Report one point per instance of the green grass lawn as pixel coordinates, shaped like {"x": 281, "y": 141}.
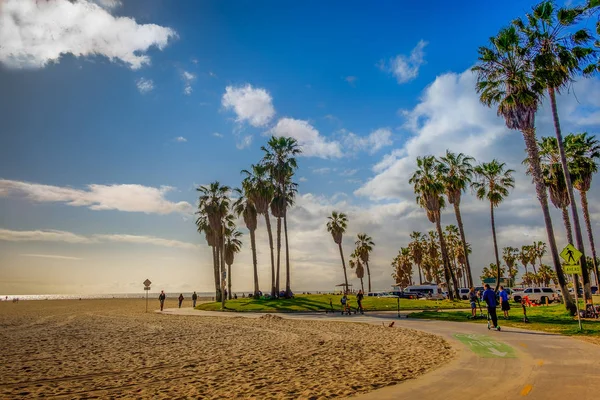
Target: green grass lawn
{"x": 320, "y": 302}
{"x": 553, "y": 318}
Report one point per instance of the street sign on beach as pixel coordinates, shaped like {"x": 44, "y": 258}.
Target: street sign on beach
{"x": 571, "y": 255}
{"x": 147, "y": 283}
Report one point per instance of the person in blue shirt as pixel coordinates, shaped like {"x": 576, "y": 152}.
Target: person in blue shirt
{"x": 504, "y": 301}
{"x": 489, "y": 296}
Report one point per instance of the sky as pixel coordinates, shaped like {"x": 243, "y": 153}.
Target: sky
{"x": 113, "y": 112}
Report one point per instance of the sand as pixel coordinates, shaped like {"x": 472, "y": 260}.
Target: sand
{"x": 113, "y": 349}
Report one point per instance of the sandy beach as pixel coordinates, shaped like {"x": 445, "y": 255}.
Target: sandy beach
{"x": 112, "y": 348}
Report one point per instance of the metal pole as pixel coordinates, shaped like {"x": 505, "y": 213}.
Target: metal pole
{"x": 146, "y": 301}
{"x": 577, "y": 305}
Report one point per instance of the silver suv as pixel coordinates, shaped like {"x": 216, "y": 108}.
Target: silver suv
{"x": 538, "y": 295}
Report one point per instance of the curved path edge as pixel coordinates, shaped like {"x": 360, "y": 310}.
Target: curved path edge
{"x": 511, "y": 364}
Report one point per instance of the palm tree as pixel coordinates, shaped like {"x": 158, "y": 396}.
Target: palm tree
{"x": 505, "y": 78}
{"x": 211, "y": 240}
{"x": 433, "y": 259}
{"x": 493, "y": 183}
{"x": 429, "y": 189}
{"x": 457, "y": 172}
{"x": 364, "y": 245}
{"x": 544, "y": 275}
{"x": 524, "y": 256}
{"x": 233, "y": 245}
{"x": 337, "y": 225}
{"x": 214, "y": 204}
{"x": 261, "y": 192}
{"x": 584, "y": 152}
{"x": 280, "y": 159}
{"x": 539, "y": 251}
{"x": 452, "y": 241}
{"x": 417, "y": 250}
{"x": 557, "y": 55}
{"x": 245, "y": 207}
{"x": 510, "y": 255}
{"x": 356, "y": 264}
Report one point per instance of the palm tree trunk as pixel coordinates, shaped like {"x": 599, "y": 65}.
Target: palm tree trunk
{"x": 216, "y": 273}
{"x": 362, "y": 286}
{"x": 223, "y": 268}
{"x": 343, "y": 265}
{"x": 588, "y": 225}
{"x": 270, "y": 233}
{"x": 464, "y": 243}
{"x": 368, "y": 275}
{"x": 454, "y": 280}
{"x": 438, "y": 227}
{"x": 420, "y": 276}
{"x": 567, "y": 222}
{"x": 585, "y": 275}
{"x": 534, "y": 157}
{"x": 278, "y": 255}
{"x": 288, "y": 281}
{"x": 498, "y": 274}
{"x": 254, "y": 261}
{"x": 229, "y": 281}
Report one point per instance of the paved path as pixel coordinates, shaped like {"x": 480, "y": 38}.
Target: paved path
{"x": 510, "y": 364}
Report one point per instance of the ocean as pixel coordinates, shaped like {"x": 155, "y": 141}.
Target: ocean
{"x": 152, "y": 294}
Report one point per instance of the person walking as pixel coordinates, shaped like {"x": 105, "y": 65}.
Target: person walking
{"x": 489, "y": 296}
{"x": 504, "y": 301}
{"x": 162, "y": 298}
{"x": 359, "y": 299}
{"x": 194, "y": 298}
{"x": 473, "y": 301}
{"x": 180, "y": 299}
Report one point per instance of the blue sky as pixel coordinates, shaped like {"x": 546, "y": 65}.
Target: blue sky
{"x": 340, "y": 71}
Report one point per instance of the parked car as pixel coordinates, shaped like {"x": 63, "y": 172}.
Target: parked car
{"x": 428, "y": 291}
{"x": 464, "y": 293}
{"x": 538, "y": 295}
{"x": 403, "y": 295}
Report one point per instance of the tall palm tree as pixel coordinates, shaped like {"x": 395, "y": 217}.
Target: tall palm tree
{"x": 584, "y": 152}
{"x": 539, "y": 251}
{"x": 510, "y": 255}
{"x": 261, "y": 192}
{"x": 557, "y": 55}
{"x": 417, "y": 250}
{"x": 544, "y": 275}
{"x": 356, "y": 264}
{"x": 233, "y": 245}
{"x": 214, "y": 204}
{"x": 457, "y": 172}
{"x": 364, "y": 245}
{"x": 453, "y": 243}
{"x": 280, "y": 159}
{"x": 524, "y": 256}
{"x": 244, "y": 207}
{"x": 211, "y": 240}
{"x": 493, "y": 183}
{"x": 505, "y": 78}
{"x": 429, "y": 189}
{"x": 337, "y": 225}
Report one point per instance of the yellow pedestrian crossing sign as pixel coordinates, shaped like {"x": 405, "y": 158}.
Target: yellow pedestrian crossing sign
{"x": 572, "y": 269}
{"x": 571, "y": 255}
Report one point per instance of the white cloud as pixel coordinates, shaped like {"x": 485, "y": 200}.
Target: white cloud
{"x": 372, "y": 143}
{"x": 252, "y": 105}
{"x": 69, "y": 237}
{"x": 244, "y": 142}
{"x": 51, "y": 256}
{"x": 144, "y": 85}
{"x": 180, "y": 139}
{"x": 195, "y": 60}
{"x": 406, "y": 68}
{"x": 187, "y": 78}
{"x": 34, "y": 33}
{"x": 348, "y": 172}
{"x": 132, "y": 198}
{"x": 351, "y": 80}
{"x": 321, "y": 171}
{"x": 212, "y": 74}
{"x": 309, "y": 139}
{"x": 302, "y": 179}
{"x": 108, "y": 4}
{"x": 217, "y": 134}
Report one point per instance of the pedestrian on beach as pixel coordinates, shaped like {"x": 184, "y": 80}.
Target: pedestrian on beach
{"x": 162, "y": 298}
{"x": 194, "y": 298}
{"x": 359, "y": 299}
{"x": 504, "y": 301}
{"x": 180, "y": 299}
{"x": 489, "y": 296}
{"x": 473, "y": 301}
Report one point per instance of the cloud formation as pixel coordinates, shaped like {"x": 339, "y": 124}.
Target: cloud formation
{"x": 309, "y": 139}
{"x": 131, "y": 198}
{"x": 35, "y": 33}
{"x": 406, "y": 68}
{"x": 180, "y": 139}
{"x": 187, "y": 78}
{"x": 51, "y": 256}
{"x": 251, "y": 105}
{"x": 144, "y": 85}
{"x": 372, "y": 143}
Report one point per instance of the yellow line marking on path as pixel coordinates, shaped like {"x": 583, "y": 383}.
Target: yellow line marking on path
{"x": 526, "y": 390}
{"x": 540, "y": 363}
{"x": 522, "y": 344}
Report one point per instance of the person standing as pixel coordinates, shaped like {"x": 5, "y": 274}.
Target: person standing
{"x": 180, "y": 299}
{"x": 473, "y": 300}
{"x": 489, "y": 296}
{"x": 359, "y": 299}
{"x": 162, "y": 298}
{"x": 504, "y": 301}
{"x": 194, "y": 298}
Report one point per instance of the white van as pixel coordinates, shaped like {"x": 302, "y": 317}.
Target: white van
{"x": 429, "y": 291}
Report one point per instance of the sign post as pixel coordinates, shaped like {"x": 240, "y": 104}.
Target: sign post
{"x": 147, "y": 284}
{"x": 572, "y": 266}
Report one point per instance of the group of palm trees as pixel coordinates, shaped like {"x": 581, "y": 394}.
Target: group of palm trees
{"x": 337, "y": 225}
{"x": 267, "y": 189}
{"x": 533, "y": 56}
